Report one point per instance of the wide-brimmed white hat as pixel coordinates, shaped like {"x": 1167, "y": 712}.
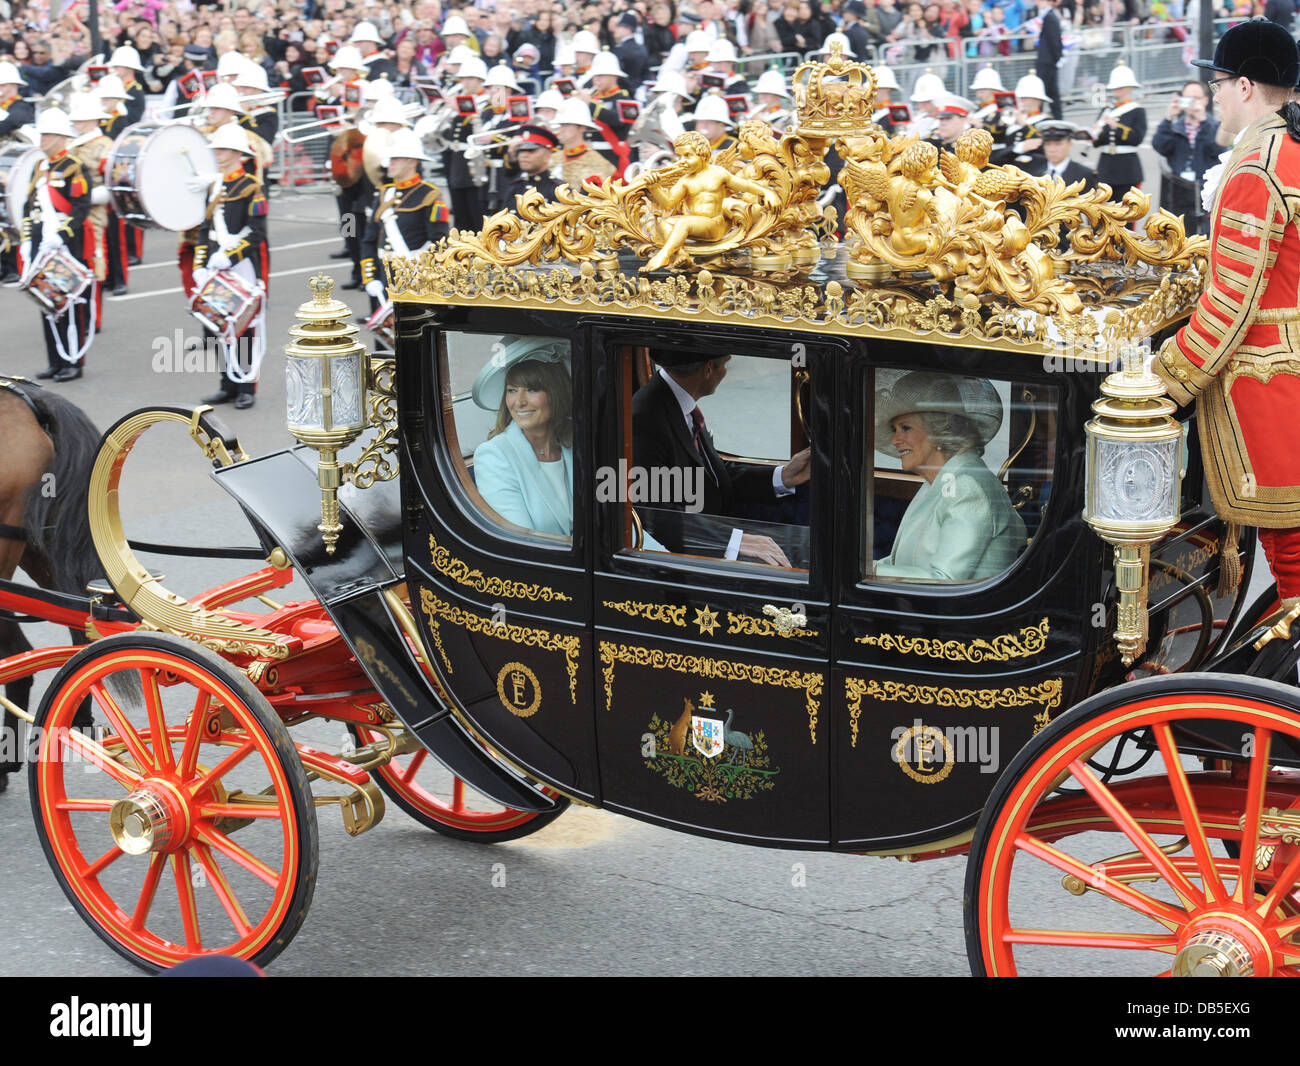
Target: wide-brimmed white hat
{"x": 502, "y": 75}
{"x": 698, "y": 41}
{"x": 585, "y": 41}
{"x": 928, "y": 87}
{"x": 233, "y": 136}
{"x": 473, "y": 67}
{"x": 1031, "y": 87}
{"x": 349, "y": 58}
{"x": 723, "y": 51}
{"x": 110, "y": 87}
{"x": 365, "y": 31}
{"x": 606, "y": 63}
{"x": 460, "y": 53}
{"x": 454, "y": 25}
{"x": 1122, "y": 77}
{"x": 923, "y": 392}
{"x": 712, "y": 108}
{"x": 551, "y": 98}
{"x": 490, "y": 385}
{"x": 9, "y": 74}
{"x": 404, "y": 144}
{"x": 253, "y": 76}
{"x": 772, "y": 82}
{"x": 126, "y": 56}
{"x": 670, "y": 81}
{"x": 222, "y": 95}
{"x": 231, "y": 65}
{"x": 564, "y": 56}
{"x": 987, "y": 78}
{"x": 85, "y": 107}
{"x": 885, "y": 79}
{"x": 389, "y": 109}
{"x": 574, "y": 112}
{"x": 55, "y": 121}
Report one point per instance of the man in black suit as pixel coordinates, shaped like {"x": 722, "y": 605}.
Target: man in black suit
{"x": 1050, "y": 50}
{"x": 669, "y": 433}
{"x": 632, "y": 56}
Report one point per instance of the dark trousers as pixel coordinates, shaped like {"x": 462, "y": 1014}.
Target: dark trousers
{"x": 467, "y": 208}
{"x": 118, "y": 249}
{"x": 354, "y": 204}
{"x": 56, "y": 361}
{"x": 1053, "y": 87}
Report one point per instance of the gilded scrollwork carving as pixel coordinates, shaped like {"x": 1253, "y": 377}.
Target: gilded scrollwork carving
{"x": 1029, "y": 641}
{"x": 668, "y": 613}
{"x": 463, "y": 574}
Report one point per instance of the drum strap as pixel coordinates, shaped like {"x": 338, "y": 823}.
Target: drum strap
{"x": 395, "y": 239}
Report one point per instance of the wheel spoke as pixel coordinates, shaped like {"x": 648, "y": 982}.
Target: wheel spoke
{"x": 84, "y": 805}
{"x": 164, "y": 759}
{"x": 1245, "y": 889}
{"x": 185, "y": 892}
{"x": 223, "y": 767}
{"x": 1186, "y": 801}
{"x": 458, "y": 795}
{"x": 125, "y": 730}
{"x": 151, "y": 878}
{"x": 194, "y": 735}
{"x": 246, "y": 859}
{"x": 102, "y": 863}
{"x": 1105, "y": 799}
{"x": 1288, "y": 928}
{"x": 417, "y": 760}
{"x": 87, "y": 748}
{"x": 1166, "y": 914}
{"x": 222, "y": 890}
{"x": 1166, "y": 942}
{"x": 238, "y": 810}
{"x": 1284, "y": 885}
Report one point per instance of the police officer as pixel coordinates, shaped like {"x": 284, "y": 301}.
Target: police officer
{"x": 235, "y": 239}
{"x": 58, "y": 201}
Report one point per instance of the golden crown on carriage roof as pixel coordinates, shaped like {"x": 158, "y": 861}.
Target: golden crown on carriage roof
{"x": 833, "y": 96}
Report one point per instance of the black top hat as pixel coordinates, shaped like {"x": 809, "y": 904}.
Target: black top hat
{"x": 1259, "y": 50}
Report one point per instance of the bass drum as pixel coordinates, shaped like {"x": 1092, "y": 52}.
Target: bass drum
{"x": 148, "y": 170}
{"x": 18, "y": 162}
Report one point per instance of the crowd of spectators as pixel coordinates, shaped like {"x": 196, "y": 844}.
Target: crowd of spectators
{"x": 49, "y": 41}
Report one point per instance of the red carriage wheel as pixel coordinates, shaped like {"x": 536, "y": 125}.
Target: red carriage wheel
{"x": 181, "y": 823}
{"x": 1174, "y": 870}
{"x": 439, "y": 800}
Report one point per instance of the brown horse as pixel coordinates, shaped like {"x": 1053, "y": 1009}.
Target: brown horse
{"x": 48, "y": 446}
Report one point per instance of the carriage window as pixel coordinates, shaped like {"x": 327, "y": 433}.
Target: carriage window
{"x": 713, "y": 466}
{"x": 508, "y": 409}
{"x": 960, "y": 474}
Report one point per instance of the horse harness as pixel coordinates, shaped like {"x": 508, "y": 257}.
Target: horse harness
{"x": 19, "y": 386}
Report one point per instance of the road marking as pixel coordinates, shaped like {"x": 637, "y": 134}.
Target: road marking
{"x": 274, "y": 249}
{"x": 169, "y": 292}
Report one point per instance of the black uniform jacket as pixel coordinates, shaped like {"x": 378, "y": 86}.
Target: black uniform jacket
{"x": 543, "y": 183}
{"x": 14, "y": 114}
{"x": 69, "y": 196}
{"x": 421, "y": 217}
{"x": 661, "y": 439}
{"x": 242, "y": 203}
{"x": 1122, "y": 168}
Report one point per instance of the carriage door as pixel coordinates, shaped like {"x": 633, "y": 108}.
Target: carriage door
{"x": 711, "y": 615}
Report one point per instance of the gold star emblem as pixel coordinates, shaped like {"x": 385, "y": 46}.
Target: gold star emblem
{"x": 706, "y": 699}
{"x": 706, "y": 619}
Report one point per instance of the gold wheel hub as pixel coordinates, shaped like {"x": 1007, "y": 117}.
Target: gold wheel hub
{"x": 152, "y": 818}
{"x": 1222, "y": 945}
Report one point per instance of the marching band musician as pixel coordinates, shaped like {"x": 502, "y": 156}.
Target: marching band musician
{"x": 348, "y": 88}
{"x": 125, "y": 63}
{"x": 494, "y": 116}
{"x": 928, "y": 89}
{"x": 660, "y": 123}
{"x": 986, "y": 86}
{"x": 547, "y": 106}
{"x": 91, "y": 148}
{"x": 604, "y": 94}
{"x": 112, "y": 99}
{"x": 235, "y": 240}
{"x": 263, "y": 120}
{"x": 58, "y": 200}
{"x": 408, "y": 216}
{"x": 1026, "y": 150}
{"x": 1118, "y": 133}
{"x": 585, "y": 49}
{"x": 563, "y": 64}
{"x": 533, "y": 150}
{"x": 774, "y": 102}
{"x": 576, "y": 161}
{"x": 349, "y": 76}
{"x": 230, "y": 66}
{"x": 455, "y": 32}
{"x": 224, "y": 104}
{"x": 467, "y": 176}
{"x": 365, "y": 38}
{"x": 886, "y": 86}
{"x": 722, "y": 61}
{"x": 713, "y": 120}
{"x": 15, "y": 113}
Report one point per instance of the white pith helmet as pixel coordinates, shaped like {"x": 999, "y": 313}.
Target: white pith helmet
{"x": 473, "y": 68}
{"x": 348, "y": 58}
{"x": 389, "y": 109}
{"x": 723, "y": 51}
{"x": 670, "y": 81}
{"x": 253, "y": 76}
{"x": 574, "y": 112}
{"x": 606, "y": 63}
{"x": 220, "y": 95}
{"x": 365, "y": 31}
{"x": 233, "y": 136}
{"x": 551, "y": 99}
{"x": 501, "y": 74}
{"x": 585, "y": 41}
{"x": 885, "y": 79}
{"x": 404, "y": 144}
{"x": 85, "y": 107}
{"x": 987, "y": 78}
{"x": 928, "y": 87}
{"x": 231, "y": 65}
{"x": 9, "y": 74}
{"x": 564, "y": 56}
{"x": 772, "y": 82}
{"x": 843, "y": 41}
{"x": 712, "y": 108}
{"x": 698, "y": 41}
{"x": 126, "y": 56}
{"x": 1122, "y": 77}
{"x": 1031, "y": 87}
{"x": 455, "y": 25}
{"x": 55, "y": 121}
{"x": 460, "y": 53}
{"x": 110, "y": 87}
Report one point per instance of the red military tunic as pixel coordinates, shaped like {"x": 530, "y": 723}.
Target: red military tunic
{"x": 1239, "y": 355}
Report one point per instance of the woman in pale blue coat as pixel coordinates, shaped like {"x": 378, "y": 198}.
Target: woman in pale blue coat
{"x": 524, "y": 470}
{"x": 960, "y": 526}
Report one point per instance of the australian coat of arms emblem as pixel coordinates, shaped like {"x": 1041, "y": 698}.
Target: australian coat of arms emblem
{"x": 702, "y": 752}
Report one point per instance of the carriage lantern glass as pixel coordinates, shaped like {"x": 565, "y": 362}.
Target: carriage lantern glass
{"x": 325, "y": 391}
{"x": 1133, "y": 485}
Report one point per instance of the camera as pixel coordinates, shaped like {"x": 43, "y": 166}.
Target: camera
{"x": 1184, "y": 102}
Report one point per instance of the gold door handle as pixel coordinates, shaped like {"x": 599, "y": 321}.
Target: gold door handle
{"x": 784, "y": 619}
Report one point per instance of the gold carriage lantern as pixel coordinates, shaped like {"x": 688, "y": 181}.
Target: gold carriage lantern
{"x": 1134, "y": 484}
{"x": 325, "y": 394}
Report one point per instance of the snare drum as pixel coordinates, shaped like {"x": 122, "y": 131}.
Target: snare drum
{"x": 227, "y": 304}
{"x": 381, "y": 324}
{"x": 55, "y": 278}
{"x": 148, "y": 171}
{"x": 18, "y": 163}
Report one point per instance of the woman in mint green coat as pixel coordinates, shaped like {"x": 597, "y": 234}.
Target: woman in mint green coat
{"x": 960, "y": 526}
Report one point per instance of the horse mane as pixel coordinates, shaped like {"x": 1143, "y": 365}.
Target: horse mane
{"x": 56, "y": 514}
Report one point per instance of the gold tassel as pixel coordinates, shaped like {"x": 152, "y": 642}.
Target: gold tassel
{"x": 1229, "y": 561}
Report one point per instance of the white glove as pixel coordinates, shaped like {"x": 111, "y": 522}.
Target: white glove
{"x": 201, "y": 182}
{"x": 375, "y": 288}
{"x": 99, "y": 194}
{"x": 219, "y": 261}
{"x": 201, "y": 277}
{"x": 25, "y": 252}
